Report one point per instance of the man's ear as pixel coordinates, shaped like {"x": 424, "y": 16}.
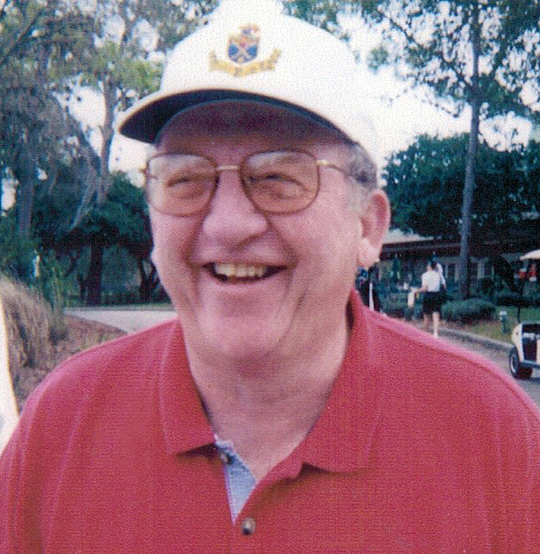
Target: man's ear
{"x": 375, "y": 221}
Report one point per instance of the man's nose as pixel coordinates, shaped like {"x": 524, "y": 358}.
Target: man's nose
{"x": 232, "y": 218}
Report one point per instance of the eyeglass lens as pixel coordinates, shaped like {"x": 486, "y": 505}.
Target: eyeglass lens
{"x": 276, "y": 182}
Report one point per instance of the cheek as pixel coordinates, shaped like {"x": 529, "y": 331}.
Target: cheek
{"x": 329, "y": 245}
{"x": 172, "y": 237}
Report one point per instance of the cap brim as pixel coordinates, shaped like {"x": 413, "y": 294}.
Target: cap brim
{"x": 145, "y": 120}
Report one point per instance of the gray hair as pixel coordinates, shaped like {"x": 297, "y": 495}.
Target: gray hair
{"x": 362, "y": 168}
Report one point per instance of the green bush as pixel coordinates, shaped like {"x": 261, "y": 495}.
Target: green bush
{"x": 533, "y": 300}
{"x": 395, "y": 305}
{"x": 52, "y": 286}
{"x": 395, "y": 308}
{"x": 466, "y": 311}
{"x": 486, "y": 288}
{"x": 510, "y": 298}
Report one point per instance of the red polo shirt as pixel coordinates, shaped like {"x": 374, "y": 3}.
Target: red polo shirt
{"x": 422, "y": 448}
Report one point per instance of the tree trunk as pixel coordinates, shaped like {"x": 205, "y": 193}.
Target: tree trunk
{"x": 26, "y": 174}
{"x": 95, "y": 269}
{"x": 93, "y": 279}
{"x": 107, "y": 133}
{"x": 148, "y": 282}
{"x": 468, "y": 189}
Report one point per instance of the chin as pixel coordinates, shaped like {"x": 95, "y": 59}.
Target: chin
{"x": 242, "y": 343}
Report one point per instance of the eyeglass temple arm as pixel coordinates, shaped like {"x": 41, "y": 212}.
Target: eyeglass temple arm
{"x": 323, "y": 163}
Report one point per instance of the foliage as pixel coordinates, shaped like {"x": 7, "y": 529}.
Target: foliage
{"x": 323, "y": 13}
{"x": 52, "y": 286}
{"x": 425, "y": 184}
{"x": 396, "y": 308}
{"x": 131, "y": 37}
{"x": 395, "y": 304}
{"x": 17, "y": 253}
{"x": 50, "y": 52}
{"x": 121, "y": 220}
{"x": 56, "y": 204}
{"x": 431, "y": 43}
{"x": 39, "y": 42}
{"x": 510, "y": 298}
{"x": 467, "y": 311}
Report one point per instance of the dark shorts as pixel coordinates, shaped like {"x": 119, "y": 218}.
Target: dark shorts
{"x": 432, "y": 303}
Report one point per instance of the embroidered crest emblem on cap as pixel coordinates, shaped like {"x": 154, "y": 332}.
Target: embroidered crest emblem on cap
{"x": 242, "y": 49}
{"x": 244, "y": 46}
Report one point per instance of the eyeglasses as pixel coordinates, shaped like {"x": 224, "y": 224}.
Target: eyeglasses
{"x": 278, "y": 182}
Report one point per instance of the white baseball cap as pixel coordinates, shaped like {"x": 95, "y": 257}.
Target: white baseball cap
{"x": 251, "y": 51}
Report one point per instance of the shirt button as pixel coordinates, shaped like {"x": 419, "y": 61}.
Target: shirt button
{"x": 225, "y": 457}
{"x": 248, "y": 526}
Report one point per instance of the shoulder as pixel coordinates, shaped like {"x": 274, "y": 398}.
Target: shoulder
{"x": 437, "y": 376}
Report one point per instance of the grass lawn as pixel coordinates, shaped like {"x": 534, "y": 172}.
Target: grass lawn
{"x": 494, "y": 329}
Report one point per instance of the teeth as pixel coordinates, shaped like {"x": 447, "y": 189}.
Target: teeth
{"x": 240, "y": 270}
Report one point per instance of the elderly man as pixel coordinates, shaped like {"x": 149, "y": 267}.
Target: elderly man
{"x": 276, "y": 414}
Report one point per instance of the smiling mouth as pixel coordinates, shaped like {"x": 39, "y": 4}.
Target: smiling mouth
{"x": 241, "y": 272}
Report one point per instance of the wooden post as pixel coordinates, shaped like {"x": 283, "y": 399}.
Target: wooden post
{"x": 9, "y": 416}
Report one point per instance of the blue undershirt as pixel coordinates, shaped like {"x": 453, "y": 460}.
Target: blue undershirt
{"x": 238, "y": 478}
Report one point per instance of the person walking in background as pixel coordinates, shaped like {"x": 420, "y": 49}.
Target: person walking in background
{"x": 432, "y": 284}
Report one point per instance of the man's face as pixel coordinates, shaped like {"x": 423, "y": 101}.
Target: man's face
{"x": 248, "y": 284}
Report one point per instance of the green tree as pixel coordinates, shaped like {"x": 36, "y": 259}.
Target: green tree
{"x": 130, "y": 35}
{"x": 121, "y": 220}
{"x": 50, "y": 51}
{"x": 425, "y": 184}
{"x": 37, "y": 41}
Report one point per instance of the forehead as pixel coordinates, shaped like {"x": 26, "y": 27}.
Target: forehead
{"x": 241, "y": 120}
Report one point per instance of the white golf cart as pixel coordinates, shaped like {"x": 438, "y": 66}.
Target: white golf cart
{"x": 525, "y": 354}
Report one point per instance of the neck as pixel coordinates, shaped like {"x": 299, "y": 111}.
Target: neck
{"x": 267, "y": 406}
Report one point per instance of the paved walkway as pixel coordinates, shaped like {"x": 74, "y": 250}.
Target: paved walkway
{"x": 497, "y": 352}
{"x": 126, "y": 320}
{"x": 494, "y": 350}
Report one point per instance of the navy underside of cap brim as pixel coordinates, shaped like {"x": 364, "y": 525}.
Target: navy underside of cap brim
{"x": 145, "y": 124}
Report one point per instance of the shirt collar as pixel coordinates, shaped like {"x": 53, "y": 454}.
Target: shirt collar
{"x": 184, "y": 422}
{"x": 342, "y": 436}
